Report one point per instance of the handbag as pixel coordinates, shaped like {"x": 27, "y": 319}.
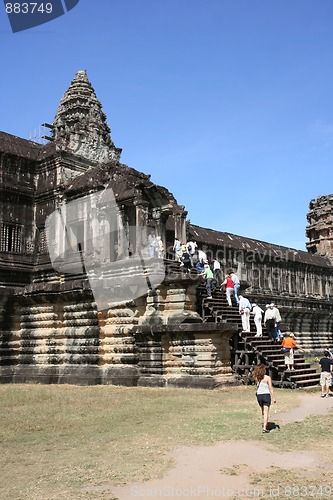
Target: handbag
{"x": 284, "y": 350}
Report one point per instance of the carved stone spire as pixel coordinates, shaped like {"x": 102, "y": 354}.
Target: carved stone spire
{"x": 80, "y": 124}
{"x": 320, "y": 228}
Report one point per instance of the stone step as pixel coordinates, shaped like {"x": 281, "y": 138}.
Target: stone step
{"x": 304, "y": 375}
{"x": 303, "y": 366}
{"x": 300, "y": 373}
{"x": 310, "y": 382}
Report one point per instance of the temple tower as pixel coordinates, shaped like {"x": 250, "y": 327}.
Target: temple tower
{"x": 80, "y": 125}
{"x": 320, "y": 228}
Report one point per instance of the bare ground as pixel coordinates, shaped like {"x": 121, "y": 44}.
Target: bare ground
{"x": 223, "y": 470}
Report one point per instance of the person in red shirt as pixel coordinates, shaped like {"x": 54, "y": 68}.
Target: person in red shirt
{"x": 289, "y": 342}
{"x": 229, "y": 288}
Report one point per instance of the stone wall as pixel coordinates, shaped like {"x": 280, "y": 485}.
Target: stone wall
{"x": 157, "y": 339}
{"x": 188, "y": 355}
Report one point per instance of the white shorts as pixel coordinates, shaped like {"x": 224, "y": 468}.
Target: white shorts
{"x": 289, "y": 358}
{"x": 326, "y": 379}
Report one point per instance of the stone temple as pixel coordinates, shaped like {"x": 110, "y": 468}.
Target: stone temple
{"x": 83, "y": 301}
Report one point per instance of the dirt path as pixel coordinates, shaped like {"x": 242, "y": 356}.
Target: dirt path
{"x": 198, "y": 471}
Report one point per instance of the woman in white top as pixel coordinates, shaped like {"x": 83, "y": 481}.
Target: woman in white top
{"x": 264, "y": 393}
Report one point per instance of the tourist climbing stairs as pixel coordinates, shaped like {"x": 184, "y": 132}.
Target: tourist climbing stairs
{"x": 247, "y": 350}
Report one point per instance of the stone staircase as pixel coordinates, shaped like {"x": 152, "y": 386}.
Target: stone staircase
{"x": 248, "y": 350}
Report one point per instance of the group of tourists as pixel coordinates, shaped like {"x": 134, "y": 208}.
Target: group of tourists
{"x": 186, "y": 254}
{"x": 155, "y": 246}
{"x": 189, "y": 256}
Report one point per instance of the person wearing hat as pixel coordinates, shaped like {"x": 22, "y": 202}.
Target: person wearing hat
{"x": 288, "y": 346}
{"x": 258, "y": 312}
{"x": 244, "y": 309}
{"x": 270, "y": 320}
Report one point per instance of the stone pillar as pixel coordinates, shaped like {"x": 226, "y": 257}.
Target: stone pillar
{"x": 180, "y": 226}
{"x": 131, "y": 212}
{"x": 56, "y": 238}
{"x": 141, "y": 208}
{"x": 156, "y": 215}
{"x": 163, "y": 221}
{"x": 121, "y": 235}
{"x": 91, "y": 226}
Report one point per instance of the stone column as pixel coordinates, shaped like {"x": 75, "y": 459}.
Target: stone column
{"x": 180, "y": 226}
{"x": 57, "y": 237}
{"x": 131, "y": 229}
{"x": 163, "y": 221}
{"x": 91, "y": 226}
{"x": 141, "y": 208}
{"x": 121, "y": 235}
{"x": 156, "y": 215}
{"x": 107, "y": 236}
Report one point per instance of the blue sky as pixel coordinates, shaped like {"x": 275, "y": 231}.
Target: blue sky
{"x": 227, "y": 103}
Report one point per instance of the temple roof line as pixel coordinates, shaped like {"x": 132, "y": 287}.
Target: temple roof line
{"x": 243, "y": 243}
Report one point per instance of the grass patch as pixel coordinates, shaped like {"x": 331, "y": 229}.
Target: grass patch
{"x": 56, "y": 440}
